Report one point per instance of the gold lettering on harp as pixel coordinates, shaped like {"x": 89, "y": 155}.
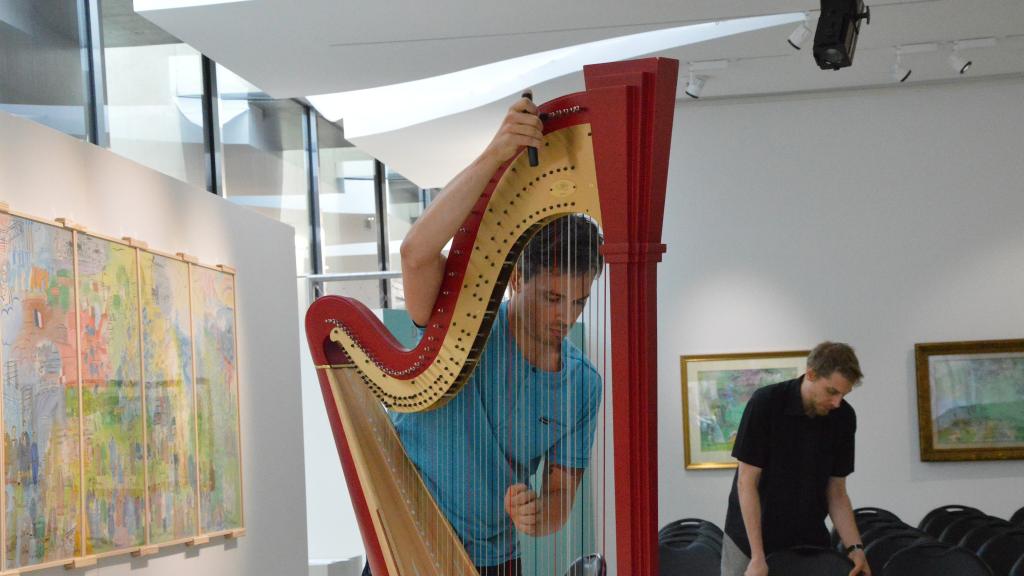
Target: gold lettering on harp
{"x": 562, "y": 188}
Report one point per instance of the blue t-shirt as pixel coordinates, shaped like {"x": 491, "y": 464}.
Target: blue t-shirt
{"x": 495, "y": 432}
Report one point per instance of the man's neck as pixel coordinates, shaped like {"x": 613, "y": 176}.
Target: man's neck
{"x": 805, "y": 394}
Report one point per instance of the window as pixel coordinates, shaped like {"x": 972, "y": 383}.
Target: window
{"x": 348, "y": 208}
{"x": 154, "y": 95}
{"x": 265, "y": 157}
{"x": 41, "y": 75}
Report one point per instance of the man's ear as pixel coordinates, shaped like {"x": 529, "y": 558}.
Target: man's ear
{"x": 811, "y": 375}
{"x": 516, "y": 281}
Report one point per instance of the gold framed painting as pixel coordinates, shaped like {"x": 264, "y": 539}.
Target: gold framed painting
{"x": 970, "y": 400}
{"x": 716, "y": 388}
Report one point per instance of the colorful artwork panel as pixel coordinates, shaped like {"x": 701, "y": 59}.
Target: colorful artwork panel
{"x": 112, "y": 417}
{"x": 971, "y": 400}
{"x": 167, "y": 369}
{"x": 220, "y": 481}
{"x": 42, "y": 463}
{"x": 716, "y": 390}
{"x": 979, "y": 400}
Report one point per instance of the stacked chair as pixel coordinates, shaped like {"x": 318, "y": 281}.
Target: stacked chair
{"x": 954, "y": 540}
{"x": 936, "y": 521}
{"x": 883, "y": 535}
{"x": 931, "y": 557}
{"x": 690, "y": 547}
{"x": 950, "y": 539}
{"x": 1004, "y": 551}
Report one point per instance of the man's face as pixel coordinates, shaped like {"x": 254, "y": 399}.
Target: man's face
{"x": 550, "y": 304}
{"x": 824, "y": 394}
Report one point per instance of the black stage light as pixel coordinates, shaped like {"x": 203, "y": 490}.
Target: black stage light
{"x": 836, "y": 37}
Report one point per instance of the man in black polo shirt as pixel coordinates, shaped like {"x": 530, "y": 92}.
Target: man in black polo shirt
{"x": 795, "y": 449}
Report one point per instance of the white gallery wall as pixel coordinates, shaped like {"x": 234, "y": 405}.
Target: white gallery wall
{"x": 882, "y": 218}
{"x": 48, "y": 174}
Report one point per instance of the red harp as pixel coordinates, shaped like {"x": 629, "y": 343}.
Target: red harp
{"x": 606, "y": 156}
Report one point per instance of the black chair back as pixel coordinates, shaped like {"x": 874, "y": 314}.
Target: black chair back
{"x": 882, "y": 549}
{"x": 883, "y": 530}
{"x": 1018, "y": 568}
{"x": 944, "y": 516}
{"x": 1018, "y": 517}
{"x": 589, "y": 565}
{"x": 681, "y": 533}
{"x": 958, "y": 528}
{"x": 931, "y": 558}
{"x": 678, "y": 526}
{"x": 695, "y": 559}
{"x": 1003, "y": 551}
{"x": 808, "y": 561}
{"x": 977, "y": 537}
{"x": 941, "y": 510}
{"x": 871, "y": 512}
{"x": 866, "y": 523}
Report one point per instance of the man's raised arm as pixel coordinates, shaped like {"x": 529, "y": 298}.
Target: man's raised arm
{"x": 422, "y": 261}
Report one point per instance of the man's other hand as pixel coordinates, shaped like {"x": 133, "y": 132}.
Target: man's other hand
{"x": 860, "y": 563}
{"x": 522, "y": 506}
{"x": 757, "y": 567}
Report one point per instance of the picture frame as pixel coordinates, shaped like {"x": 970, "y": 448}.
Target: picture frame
{"x": 715, "y": 391}
{"x": 970, "y": 400}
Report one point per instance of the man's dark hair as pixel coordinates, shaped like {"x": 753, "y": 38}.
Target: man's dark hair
{"x": 567, "y": 244}
{"x": 830, "y": 357}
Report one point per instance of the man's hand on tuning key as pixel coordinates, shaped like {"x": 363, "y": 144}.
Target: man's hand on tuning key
{"x": 521, "y": 127}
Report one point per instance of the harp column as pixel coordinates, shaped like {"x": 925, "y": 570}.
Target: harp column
{"x": 633, "y": 104}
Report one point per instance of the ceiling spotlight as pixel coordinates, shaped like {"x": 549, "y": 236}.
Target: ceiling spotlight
{"x": 899, "y": 73}
{"x": 695, "y": 86}
{"x": 696, "y": 83}
{"x": 800, "y": 34}
{"x": 958, "y": 62}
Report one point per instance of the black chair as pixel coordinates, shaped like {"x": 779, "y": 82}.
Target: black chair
{"x": 883, "y": 530}
{"x": 1018, "y": 568}
{"x": 958, "y": 528}
{"x": 1003, "y": 551}
{"x": 866, "y": 524}
{"x": 938, "y": 519}
{"x": 694, "y": 559}
{"x": 866, "y": 517}
{"x": 680, "y": 533}
{"x": 702, "y": 539}
{"x": 589, "y": 565}
{"x": 881, "y": 550}
{"x": 1018, "y": 517}
{"x": 808, "y": 561}
{"x": 977, "y": 537}
{"x": 872, "y": 527}
{"x": 940, "y": 510}
{"x": 680, "y": 525}
{"x": 871, "y": 512}
{"x": 931, "y": 558}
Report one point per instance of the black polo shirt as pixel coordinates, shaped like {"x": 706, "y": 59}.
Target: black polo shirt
{"x": 797, "y": 455}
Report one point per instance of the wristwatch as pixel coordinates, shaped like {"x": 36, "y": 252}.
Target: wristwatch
{"x": 850, "y": 549}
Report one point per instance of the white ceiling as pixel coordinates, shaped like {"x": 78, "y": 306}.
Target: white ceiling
{"x": 296, "y": 48}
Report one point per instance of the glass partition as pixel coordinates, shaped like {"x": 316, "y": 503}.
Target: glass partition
{"x": 154, "y": 95}
{"x": 41, "y": 74}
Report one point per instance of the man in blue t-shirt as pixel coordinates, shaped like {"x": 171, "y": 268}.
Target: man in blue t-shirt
{"x": 531, "y": 404}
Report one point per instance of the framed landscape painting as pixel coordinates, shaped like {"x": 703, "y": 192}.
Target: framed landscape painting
{"x": 970, "y": 400}
{"x": 716, "y": 389}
